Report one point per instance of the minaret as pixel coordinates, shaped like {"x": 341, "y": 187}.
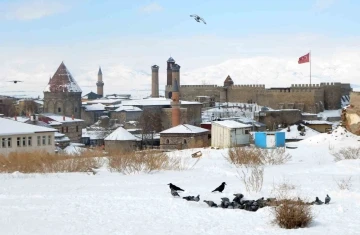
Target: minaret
{"x": 155, "y": 81}
{"x": 170, "y": 63}
{"x": 175, "y": 105}
{"x": 176, "y": 75}
{"x": 100, "y": 84}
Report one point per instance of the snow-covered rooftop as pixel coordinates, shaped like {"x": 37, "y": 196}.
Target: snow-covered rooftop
{"x": 129, "y": 108}
{"x": 59, "y": 118}
{"x": 62, "y": 81}
{"x": 105, "y": 101}
{"x": 95, "y": 107}
{"x": 153, "y": 102}
{"x": 184, "y": 129}
{"x": 319, "y": 122}
{"x": 10, "y": 127}
{"x": 20, "y": 119}
{"x": 294, "y": 134}
{"x": 121, "y": 134}
{"x": 232, "y": 124}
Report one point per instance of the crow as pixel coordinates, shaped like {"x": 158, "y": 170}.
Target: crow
{"x": 174, "y": 193}
{"x": 174, "y": 187}
{"x": 327, "y": 199}
{"x": 220, "y": 188}
{"x": 318, "y": 201}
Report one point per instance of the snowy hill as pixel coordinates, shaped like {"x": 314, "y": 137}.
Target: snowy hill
{"x": 112, "y": 203}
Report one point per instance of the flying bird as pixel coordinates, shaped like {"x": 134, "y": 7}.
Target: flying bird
{"x": 174, "y": 187}
{"x": 15, "y": 81}
{"x": 198, "y": 18}
{"x": 220, "y": 188}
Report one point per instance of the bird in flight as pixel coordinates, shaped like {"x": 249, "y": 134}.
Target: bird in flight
{"x": 198, "y": 18}
{"x": 15, "y": 81}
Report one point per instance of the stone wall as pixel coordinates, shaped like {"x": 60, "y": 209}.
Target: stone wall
{"x": 184, "y": 141}
{"x": 274, "y": 118}
{"x": 90, "y": 117}
{"x": 73, "y": 130}
{"x": 63, "y": 103}
{"x": 116, "y": 146}
{"x": 124, "y": 116}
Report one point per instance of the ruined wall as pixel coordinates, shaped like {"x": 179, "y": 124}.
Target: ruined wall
{"x": 332, "y": 95}
{"x": 350, "y": 116}
{"x": 63, "y": 103}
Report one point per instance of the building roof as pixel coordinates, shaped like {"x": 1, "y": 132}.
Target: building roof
{"x": 52, "y": 118}
{"x": 317, "y": 122}
{"x": 184, "y": 129}
{"x": 171, "y": 60}
{"x": 10, "y": 127}
{"x": 228, "y": 80}
{"x": 121, "y": 134}
{"x": 105, "y": 101}
{"x": 153, "y": 102}
{"x": 62, "y": 81}
{"x": 127, "y": 109}
{"x": 95, "y": 107}
{"x": 100, "y": 72}
{"x": 232, "y": 124}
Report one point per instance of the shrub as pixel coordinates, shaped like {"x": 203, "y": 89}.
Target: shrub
{"x": 347, "y": 153}
{"x": 292, "y": 214}
{"x": 253, "y": 178}
{"x": 344, "y": 184}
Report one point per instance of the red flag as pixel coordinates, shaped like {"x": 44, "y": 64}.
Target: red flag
{"x": 304, "y": 59}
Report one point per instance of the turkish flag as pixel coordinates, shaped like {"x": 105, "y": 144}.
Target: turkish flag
{"x": 304, "y": 59}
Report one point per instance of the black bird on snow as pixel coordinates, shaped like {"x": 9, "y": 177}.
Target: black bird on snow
{"x": 174, "y": 193}
{"x": 327, "y": 199}
{"x": 220, "y": 188}
{"x": 211, "y": 203}
{"x": 189, "y": 198}
{"x": 174, "y": 187}
{"x": 318, "y": 201}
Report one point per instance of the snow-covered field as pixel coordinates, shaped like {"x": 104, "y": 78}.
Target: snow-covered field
{"x": 111, "y": 203}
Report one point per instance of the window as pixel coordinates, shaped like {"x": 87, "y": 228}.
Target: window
{"x": 3, "y": 142}
{"x": 39, "y": 140}
{"x": 24, "y": 141}
{"x": 29, "y": 141}
{"x": 77, "y": 128}
{"x": 247, "y": 132}
{"x": 49, "y": 140}
{"x": 67, "y": 129}
{"x": 185, "y": 141}
{"x": 167, "y": 141}
{"x": 75, "y": 109}
{"x": 18, "y": 141}
{"x": 9, "y": 142}
{"x": 59, "y": 110}
{"x": 62, "y": 129}
{"x": 44, "y": 140}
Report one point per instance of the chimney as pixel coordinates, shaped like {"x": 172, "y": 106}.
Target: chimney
{"x": 72, "y": 117}
{"x": 64, "y": 118}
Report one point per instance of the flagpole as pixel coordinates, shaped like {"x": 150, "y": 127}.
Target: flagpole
{"x": 310, "y": 65}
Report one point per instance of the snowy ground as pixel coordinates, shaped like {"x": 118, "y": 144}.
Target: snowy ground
{"x": 111, "y": 203}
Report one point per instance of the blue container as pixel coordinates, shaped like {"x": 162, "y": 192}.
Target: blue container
{"x": 261, "y": 139}
{"x": 280, "y": 139}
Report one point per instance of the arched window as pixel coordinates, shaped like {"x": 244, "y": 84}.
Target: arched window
{"x": 185, "y": 141}
{"x": 167, "y": 141}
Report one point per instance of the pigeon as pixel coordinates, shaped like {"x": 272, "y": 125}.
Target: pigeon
{"x": 225, "y": 199}
{"x": 318, "y": 201}
{"x": 174, "y": 187}
{"x": 174, "y": 193}
{"x": 327, "y": 199}
{"x": 198, "y": 18}
{"x": 197, "y": 198}
{"x": 238, "y": 197}
{"x": 189, "y": 198}
{"x": 211, "y": 203}
{"x": 220, "y": 188}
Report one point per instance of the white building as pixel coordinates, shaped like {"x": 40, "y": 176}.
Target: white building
{"x": 229, "y": 133}
{"x": 17, "y": 136}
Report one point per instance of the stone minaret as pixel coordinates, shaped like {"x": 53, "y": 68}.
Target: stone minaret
{"x": 170, "y": 63}
{"x": 176, "y": 74}
{"x": 154, "y": 81}
{"x": 175, "y": 105}
{"x": 100, "y": 84}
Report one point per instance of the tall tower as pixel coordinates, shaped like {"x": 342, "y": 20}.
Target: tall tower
{"x": 62, "y": 95}
{"x": 175, "y": 105}
{"x": 100, "y": 84}
{"x": 176, "y": 75}
{"x": 155, "y": 81}
{"x": 170, "y": 63}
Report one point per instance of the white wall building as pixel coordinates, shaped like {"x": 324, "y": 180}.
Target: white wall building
{"x": 17, "y": 136}
{"x": 229, "y": 133}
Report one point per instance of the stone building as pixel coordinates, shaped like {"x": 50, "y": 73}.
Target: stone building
{"x": 312, "y": 98}
{"x": 125, "y": 114}
{"x": 121, "y": 140}
{"x": 62, "y": 95}
{"x": 273, "y": 118}
{"x": 7, "y": 106}
{"x": 184, "y": 136}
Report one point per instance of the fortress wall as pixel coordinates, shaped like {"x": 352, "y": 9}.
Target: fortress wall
{"x": 189, "y": 92}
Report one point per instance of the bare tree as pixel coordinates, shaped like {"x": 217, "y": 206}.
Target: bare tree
{"x": 150, "y": 123}
{"x": 28, "y": 107}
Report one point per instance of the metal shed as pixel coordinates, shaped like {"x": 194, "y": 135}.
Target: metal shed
{"x": 229, "y": 133}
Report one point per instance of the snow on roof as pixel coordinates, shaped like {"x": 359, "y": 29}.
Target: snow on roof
{"x": 295, "y": 134}
{"x": 20, "y": 119}
{"x": 232, "y": 124}
{"x": 184, "y": 129}
{"x": 62, "y": 81}
{"x": 153, "y": 102}
{"x": 121, "y": 134}
{"x": 329, "y": 113}
{"x": 129, "y": 108}
{"x": 318, "y": 122}
{"x": 94, "y": 134}
{"x": 95, "y": 107}
{"x": 10, "y": 127}
{"x": 105, "y": 101}
{"x": 59, "y": 118}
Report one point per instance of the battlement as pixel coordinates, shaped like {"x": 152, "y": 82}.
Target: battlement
{"x": 305, "y": 85}
{"x": 248, "y": 85}
{"x": 304, "y": 89}
{"x": 193, "y": 86}
{"x": 330, "y": 84}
